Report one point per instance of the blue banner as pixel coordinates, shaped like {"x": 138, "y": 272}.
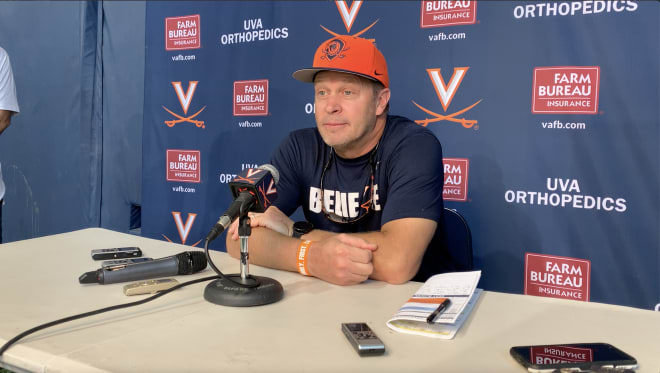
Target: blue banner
{"x": 547, "y": 112}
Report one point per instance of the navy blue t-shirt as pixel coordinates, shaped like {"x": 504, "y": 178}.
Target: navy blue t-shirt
{"x": 408, "y": 183}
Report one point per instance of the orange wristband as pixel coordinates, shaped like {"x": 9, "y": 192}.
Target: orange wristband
{"x": 302, "y": 257}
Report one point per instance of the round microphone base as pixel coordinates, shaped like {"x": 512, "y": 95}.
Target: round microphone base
{"x": 226, "y": 293}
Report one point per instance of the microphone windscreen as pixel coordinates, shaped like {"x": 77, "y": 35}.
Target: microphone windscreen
{"x": 191, "y": 262}
{"x": 273, "y": 171}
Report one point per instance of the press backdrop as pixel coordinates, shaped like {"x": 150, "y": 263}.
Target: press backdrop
{"x": 547, "y": 113}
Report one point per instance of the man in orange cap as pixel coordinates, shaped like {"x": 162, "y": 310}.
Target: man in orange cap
{"x": 370, "y": 184}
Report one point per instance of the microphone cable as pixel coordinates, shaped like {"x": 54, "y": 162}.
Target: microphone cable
{"x": 210, "y": 237}
{"x": 99, "y": 311}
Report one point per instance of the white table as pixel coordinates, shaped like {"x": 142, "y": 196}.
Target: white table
{"x": 181, "y": 332}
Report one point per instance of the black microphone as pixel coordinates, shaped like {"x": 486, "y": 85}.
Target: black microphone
{"x": 253, "y": 190}
{"x": 185, "y": 263}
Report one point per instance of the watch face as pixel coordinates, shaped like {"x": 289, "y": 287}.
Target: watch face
{"x": 302, "y": 227}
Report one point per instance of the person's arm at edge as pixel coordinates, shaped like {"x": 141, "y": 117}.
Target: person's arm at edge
{"x": 5, "y": 119}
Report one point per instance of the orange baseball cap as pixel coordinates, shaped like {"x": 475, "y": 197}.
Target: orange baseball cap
{"x": 348, "y": 54}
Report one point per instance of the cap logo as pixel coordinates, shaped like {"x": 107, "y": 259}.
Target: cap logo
{"x": 334, "y": 49}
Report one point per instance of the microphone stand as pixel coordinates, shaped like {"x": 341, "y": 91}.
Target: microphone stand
{"x": 243, "y": 290}
{"x": 244, "y": 231}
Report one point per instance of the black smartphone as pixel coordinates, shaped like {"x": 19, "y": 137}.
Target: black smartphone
{"x": 548, "y": 358}
{"x": 116, "y": 253}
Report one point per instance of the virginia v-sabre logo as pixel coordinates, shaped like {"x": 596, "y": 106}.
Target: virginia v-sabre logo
{"x": 183, "y": 227}
{"x": 566, "y": 89}
{"x": 185, "y": 98}
{"x": 182, "y": 33}
{"x": 557, "y": 276}
{"x": 448, "y": 13}
{"x": 251, "y": 97}
{"x": 446, "y": 93}
{"x": 348, "y": 15}
{"x": 456, "y": 179}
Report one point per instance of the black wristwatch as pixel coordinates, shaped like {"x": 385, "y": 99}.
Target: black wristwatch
{"x": 300, "y": 228}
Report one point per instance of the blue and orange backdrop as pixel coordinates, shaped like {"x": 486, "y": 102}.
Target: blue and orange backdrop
{"x": 547, "y": 111}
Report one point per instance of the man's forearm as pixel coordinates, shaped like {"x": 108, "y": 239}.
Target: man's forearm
{"x": 380, "y": 259}
{"x": 400, "y": 248}
{"x": 394, "y": 261}
{"x": 5, "y": 119}
{"x": 340, "y": 259}
{"x": 267, "y": 248}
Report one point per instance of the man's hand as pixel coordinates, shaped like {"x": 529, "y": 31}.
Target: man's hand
{"x": 341, "y": 259}
{"x": 273, "y": 219}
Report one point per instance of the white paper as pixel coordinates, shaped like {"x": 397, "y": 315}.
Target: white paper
{"x": 442, "y": 331}
{"x": 458, "y": 287}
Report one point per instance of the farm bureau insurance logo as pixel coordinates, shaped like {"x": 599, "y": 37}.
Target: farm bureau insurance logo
{"x": 183, "y": 165}
{"x": 183, "y": 227}
{"x": 185, "y": 99}
{"x": 182, "y": 33}
{"x": 251, "y": 97}
{"x": 557, "y": 276}
{"x": 446, "y": 93}
{"x": 566, "y": 89}
{"x": 448, "y": 13}
{"x": 456, "y": 179}
{"x": 565, "y": 193}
